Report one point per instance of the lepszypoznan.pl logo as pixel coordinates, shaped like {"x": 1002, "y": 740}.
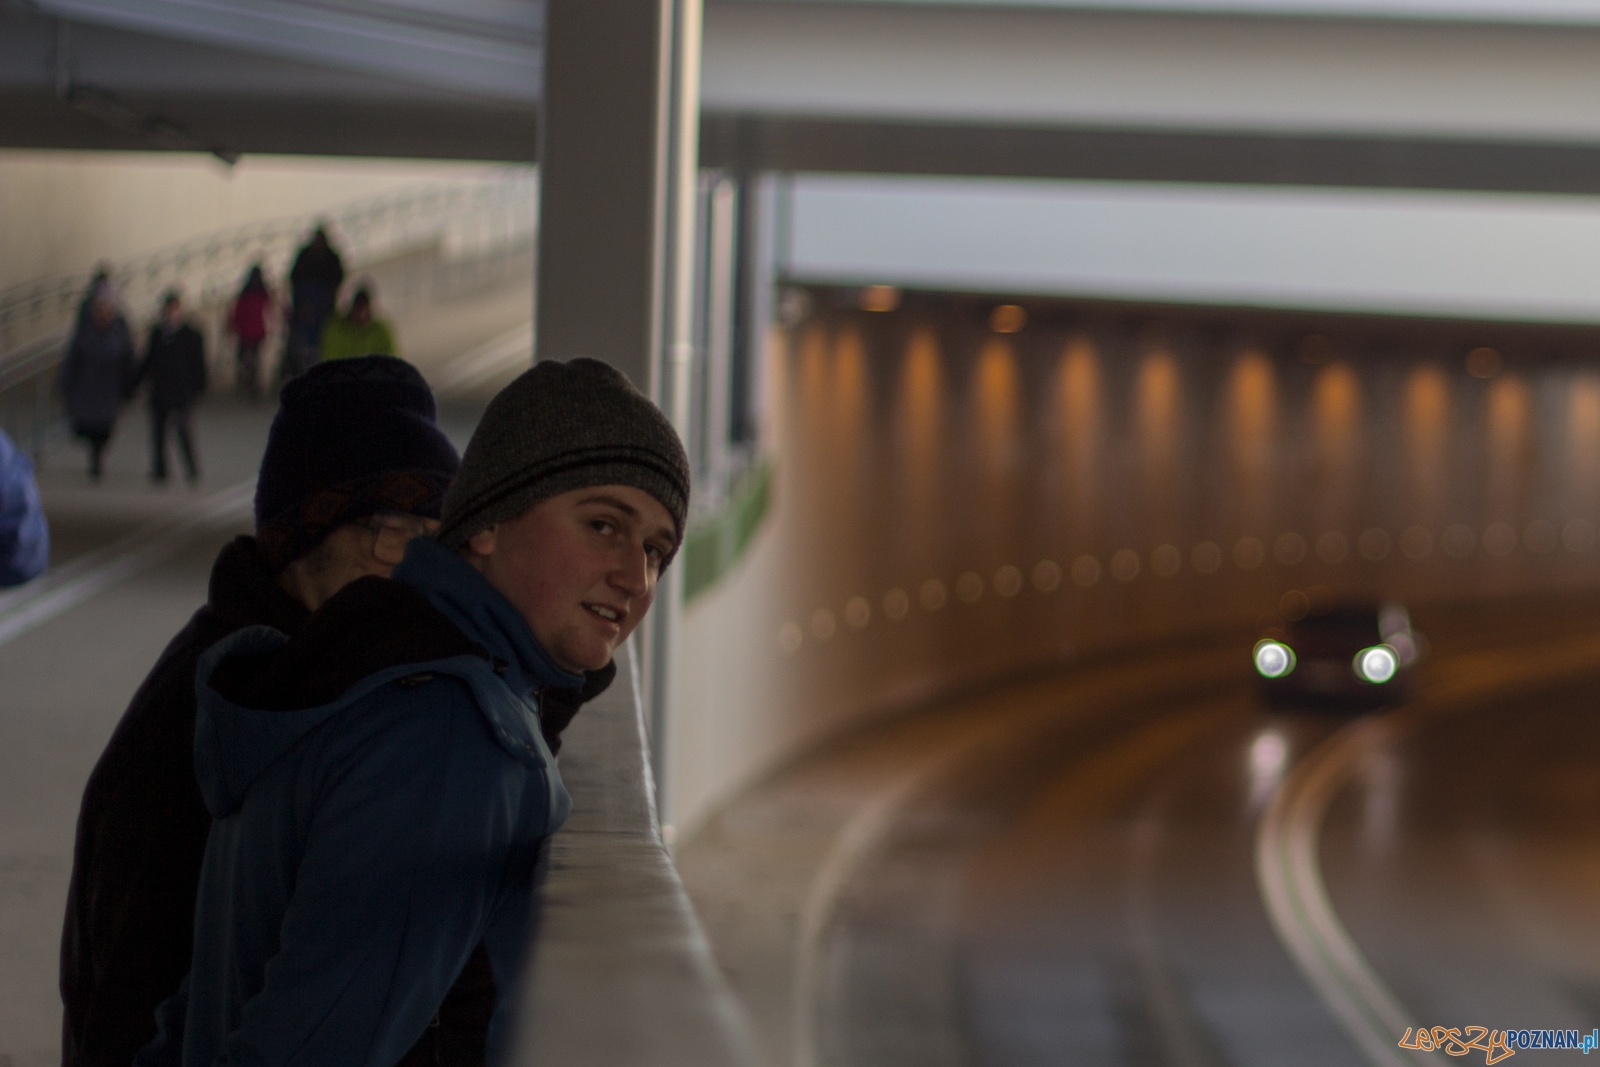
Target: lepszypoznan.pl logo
{"x": 1496, "y": 1045}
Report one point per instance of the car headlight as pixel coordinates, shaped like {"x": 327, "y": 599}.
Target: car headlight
{"x": 1273, "y": 659}
{"x": 1376, "y": 664}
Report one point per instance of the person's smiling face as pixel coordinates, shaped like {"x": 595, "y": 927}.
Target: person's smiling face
{"x": 580, "y": 567}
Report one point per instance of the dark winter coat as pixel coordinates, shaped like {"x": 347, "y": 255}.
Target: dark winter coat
{"x": 319, "y": 265}
{"x": 24, "y": 534}
{"x": 175, "y": 365}
{"x": 142, "y": 831}
{"x": 95, "y": 374}
{"x": 314, "y": 281}
{"x": 381, "y": 789}
{"x": 128, "y": 936}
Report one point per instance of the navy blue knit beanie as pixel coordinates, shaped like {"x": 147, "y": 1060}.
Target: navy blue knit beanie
{"x": 352, "y": 438}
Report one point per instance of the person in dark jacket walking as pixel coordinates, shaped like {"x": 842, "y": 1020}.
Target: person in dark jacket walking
{"x": 247, "y": 321}
{"x": 381, "y": 784}
{"x": 354, "y": 466}
{"x": 95, "y": 373}
{"x": 175, "y": 364}
{"x": 24, "y": 533}
{"x": 101, "y": 276}
{"x": 314, "y": 282}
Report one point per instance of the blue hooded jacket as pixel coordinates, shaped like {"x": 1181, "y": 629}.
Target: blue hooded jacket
{"x": 361, "y": 848}
{"x": 24, "y": 534}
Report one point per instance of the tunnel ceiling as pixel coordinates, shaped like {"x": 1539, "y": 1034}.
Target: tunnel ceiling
{"x": 1050, "y": 91}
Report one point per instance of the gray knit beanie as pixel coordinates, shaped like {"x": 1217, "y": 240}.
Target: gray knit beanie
{"x": 560, "y": 427}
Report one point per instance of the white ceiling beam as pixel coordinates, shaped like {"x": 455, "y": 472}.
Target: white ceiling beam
{"x": 1018, "y": 66}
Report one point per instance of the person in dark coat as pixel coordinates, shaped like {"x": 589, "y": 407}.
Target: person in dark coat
{"x": 354, "y": 466}
{"x": 24, "y": 533}
{"x": 380, "y": 784}
{"x": 101, "y": 276}
{"x": 314, "y": 282}
{"x": 175, "y": 365}
{"x": 95, "y": 373}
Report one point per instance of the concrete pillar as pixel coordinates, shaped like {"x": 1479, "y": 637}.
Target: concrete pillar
{"x": 618, "y": 156}
{"x": 603, "y": 183}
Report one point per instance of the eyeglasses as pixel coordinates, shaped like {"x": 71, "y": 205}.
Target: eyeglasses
{"x": 393, "y": 532}
{"x": 408, "y": 526}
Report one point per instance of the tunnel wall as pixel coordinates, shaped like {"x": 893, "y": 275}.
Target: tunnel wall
{"x": 953, "y": 502}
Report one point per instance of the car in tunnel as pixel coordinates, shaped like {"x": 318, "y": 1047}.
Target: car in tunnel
{"x": 1350, "y": 655}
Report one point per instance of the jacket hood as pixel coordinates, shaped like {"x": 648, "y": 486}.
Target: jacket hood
{"x": 235, "y": 742}
{"x": 259, "y": 692}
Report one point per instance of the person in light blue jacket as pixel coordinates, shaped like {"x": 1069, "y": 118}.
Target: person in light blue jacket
{"x": 24, "y": 533}
{"x": 380, "y": 784}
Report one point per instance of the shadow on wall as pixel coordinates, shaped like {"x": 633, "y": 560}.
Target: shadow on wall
{"x": 959, "y": 493}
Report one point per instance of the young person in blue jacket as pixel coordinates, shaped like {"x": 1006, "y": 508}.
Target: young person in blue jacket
{"x": 24, "y": 533}
{"x": 380, "y": 783}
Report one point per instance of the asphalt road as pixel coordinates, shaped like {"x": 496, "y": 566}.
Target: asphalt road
{"x": 1074, "y": 874}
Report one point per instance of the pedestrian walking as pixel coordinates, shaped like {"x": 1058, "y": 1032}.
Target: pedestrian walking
{"x": 24, "y": 533}
{"x": 247, "y": 321}
{"x": 175, "y": 365}
{"x": 101, "y": 276}
{"x": 354, "y": 466}
{"x": 314, "y": 282}
{"x": 420, "y": 707}
{"x": 358, "y": 332}
{"x": 95, "y": 373}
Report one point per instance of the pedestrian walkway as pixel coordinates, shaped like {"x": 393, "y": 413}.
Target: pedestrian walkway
{"x": 67, "y": 681}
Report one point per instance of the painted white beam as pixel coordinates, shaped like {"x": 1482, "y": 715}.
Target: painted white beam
{"x": 1527, "y": 12}
{"x": 1432, "y": 68}
{"x": 1061, "y": 88}
{"x": 1533, "y": 258}
{"x": 1139, "y": 70}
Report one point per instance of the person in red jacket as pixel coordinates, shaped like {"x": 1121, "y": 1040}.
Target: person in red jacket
{"x": 248, "y": 322}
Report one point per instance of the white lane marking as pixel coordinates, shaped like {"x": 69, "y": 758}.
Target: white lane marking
{"x": 860, "y": 837}
{"x": 510, "y": 349}
{"x": 1288, "y": 870}
{"x": 863, "y": 833}
{"x": 1290, "y": 876}
{"x": 60, "y": 590}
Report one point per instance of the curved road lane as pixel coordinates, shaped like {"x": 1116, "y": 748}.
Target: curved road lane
{"x": 1083, "y": 886}
{"x": 1463, "y": 857}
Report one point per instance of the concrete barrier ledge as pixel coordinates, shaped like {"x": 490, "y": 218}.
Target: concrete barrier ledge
{"x": 620, "y": 973}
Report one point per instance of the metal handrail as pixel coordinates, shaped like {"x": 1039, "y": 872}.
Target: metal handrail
{"x": 214, "y": 263}
{"x": 482, "y": 229}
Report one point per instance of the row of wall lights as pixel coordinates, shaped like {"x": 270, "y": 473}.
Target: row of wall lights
{"x": 1457, "y": 541}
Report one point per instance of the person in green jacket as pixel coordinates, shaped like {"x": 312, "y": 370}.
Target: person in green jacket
{"x": 357, "y": 332}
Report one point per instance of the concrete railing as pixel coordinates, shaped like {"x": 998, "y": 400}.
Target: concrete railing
{"x": 621, "y": 974}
